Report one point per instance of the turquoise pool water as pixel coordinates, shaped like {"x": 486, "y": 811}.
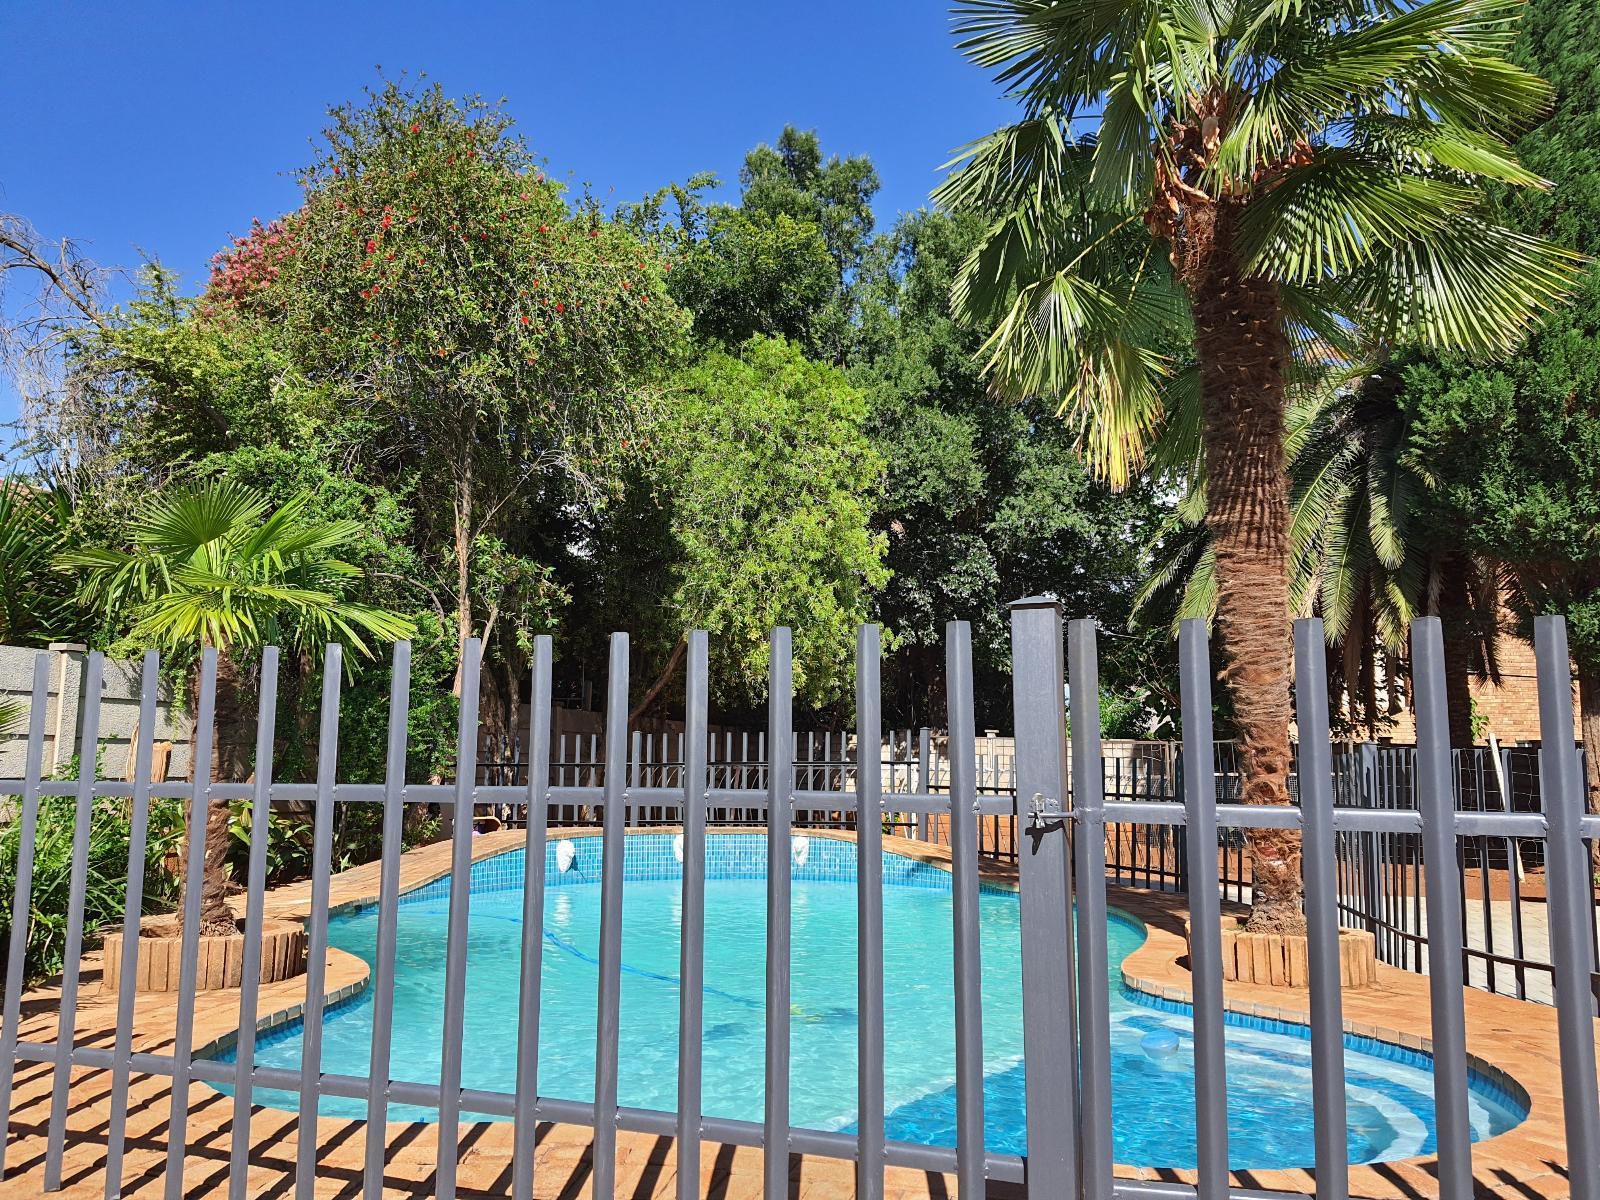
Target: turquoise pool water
{"x": 1270, "y": 1116}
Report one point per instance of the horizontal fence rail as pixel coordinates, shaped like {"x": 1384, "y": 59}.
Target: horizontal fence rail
{"x": 1058, "y": 809}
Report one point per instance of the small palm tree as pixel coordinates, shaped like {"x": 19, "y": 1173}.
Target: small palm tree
{"x": 210, "y": 565}
{"x": 1246, "y": 182}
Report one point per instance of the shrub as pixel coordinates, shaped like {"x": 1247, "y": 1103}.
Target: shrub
{"x": 105, "y": 892}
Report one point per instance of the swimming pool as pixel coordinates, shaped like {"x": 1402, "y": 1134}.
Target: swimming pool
{"x": 1269, "y": 1065}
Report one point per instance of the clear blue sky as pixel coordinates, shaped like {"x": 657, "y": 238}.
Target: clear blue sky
{"x": 158, "y": 128}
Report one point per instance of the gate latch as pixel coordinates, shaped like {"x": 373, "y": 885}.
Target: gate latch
{"x": 1042, "y": 812}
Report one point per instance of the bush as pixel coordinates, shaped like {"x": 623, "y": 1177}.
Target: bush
{"x": 105, "y": 893}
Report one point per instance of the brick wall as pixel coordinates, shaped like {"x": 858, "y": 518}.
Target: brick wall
{"x": 1512, "y": 707}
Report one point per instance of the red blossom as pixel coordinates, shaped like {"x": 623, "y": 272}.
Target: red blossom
{"x": 372, "y": 245}
{"x": 525, "y": 318}
{"x": 415, "y": 128}
{"x": 560, "y": 307}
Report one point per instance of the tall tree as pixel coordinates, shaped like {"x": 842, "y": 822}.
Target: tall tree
{"x": 1296, "y": 170}
{"x": 1362, "y": 555}
{"x": 475, "y": 326}
{"x": 1515, "y": 446}
{"x": 751, "y": 506}
{"x": 780, "y": 263}
{"x": 983, "y": 503}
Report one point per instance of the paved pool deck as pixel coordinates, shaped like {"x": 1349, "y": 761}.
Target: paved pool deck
{"x": 1514, "y": 1039}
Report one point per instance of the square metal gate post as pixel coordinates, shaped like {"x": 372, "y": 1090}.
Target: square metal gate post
{"x": 1049, "y": 994}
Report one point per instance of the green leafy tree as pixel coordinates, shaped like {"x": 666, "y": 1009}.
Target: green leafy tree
{"x": 1514, "y": 446}
{"x": 1294, "y": 171}
{"x": 472, "y": 326}
{"x": 1515, "y": 449}
{"x": 783, "y": 261}
{"x": 764, "y": 482}
{"x": 211, "y": 565}
{"x": 983, "y": 503}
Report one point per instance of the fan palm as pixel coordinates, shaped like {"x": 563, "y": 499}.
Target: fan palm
{"x": 210, "y": 565}
{"x": 1249, "y": 181}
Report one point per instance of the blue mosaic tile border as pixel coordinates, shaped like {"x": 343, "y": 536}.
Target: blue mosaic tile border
{"x": 1511, "y": 1097}
{"x": 651, "y": 856}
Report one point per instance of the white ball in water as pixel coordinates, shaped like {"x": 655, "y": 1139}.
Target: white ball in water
{"x": 1159, "y": 1044}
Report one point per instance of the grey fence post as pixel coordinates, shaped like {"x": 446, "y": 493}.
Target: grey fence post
{"x": 869, "y": 925}
{"x": 1205, "y": 914}
{"x": 1372, "y": 882}
{"x": 692, "y": 948}
{"x": 189, "y": 952}
{"x": 457, "y": 922}
{"x": 394, "y": 784}
{"x": 305, "y": 1177}
{"x": 1049, "y": 997}
{"x": 613, "y": 835}
{"x": 255, "y": 889}
{"x": 533, "y": 856}
{"x": 1322, "y": 913}
{"x": 127, "y": 980}
{"x": 1436, "y": 799}
{"x": 1089, "y": 853}
{"x": 1571, "y": 906}
{"x": 964, "y": 889}
{"x": 924, "y": 783}
{"x": 635, "y": 767}
{"x": 22, "y": 897}
{"x": 780, "y": 796}
{"x": 67, "y": 1018}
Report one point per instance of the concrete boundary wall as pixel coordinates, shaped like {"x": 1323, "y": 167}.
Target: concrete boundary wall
{"x": 65, "y": 708}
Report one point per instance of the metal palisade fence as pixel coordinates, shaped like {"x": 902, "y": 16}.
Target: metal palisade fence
{"x": 1061, "y": 848}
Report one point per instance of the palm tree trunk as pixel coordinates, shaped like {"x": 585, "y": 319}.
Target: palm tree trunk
{"x": 229, "y": 764}
{"x": 1243, "y": 357}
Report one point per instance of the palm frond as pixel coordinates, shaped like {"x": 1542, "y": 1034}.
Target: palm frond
{"x": 1341, "y": 211}
{"x": 1470, "y": 285}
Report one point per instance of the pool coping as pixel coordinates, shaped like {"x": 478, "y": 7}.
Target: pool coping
{"x": 1506, "y": 1038}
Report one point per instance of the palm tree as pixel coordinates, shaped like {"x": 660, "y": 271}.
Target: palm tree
{"x": 1246, "y": 182}
{"x": 211, "y": 566}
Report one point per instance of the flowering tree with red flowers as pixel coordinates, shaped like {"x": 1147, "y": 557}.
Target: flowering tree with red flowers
{"x": 476, "y": 327}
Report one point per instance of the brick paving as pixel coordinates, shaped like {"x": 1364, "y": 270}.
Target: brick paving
{"x": 1518, "y": 1039}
